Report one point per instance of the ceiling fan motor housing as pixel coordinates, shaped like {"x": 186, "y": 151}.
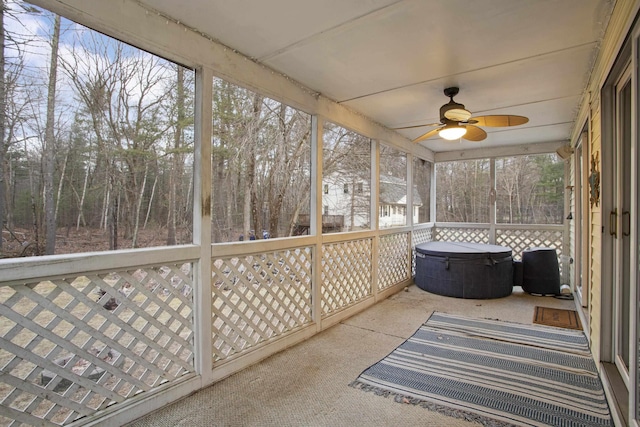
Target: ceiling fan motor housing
{"x": 452, "y": 110}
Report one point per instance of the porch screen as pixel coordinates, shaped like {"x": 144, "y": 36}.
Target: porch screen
{"x": 462, "y": 191}
{"x": 394, "y": 210}
{"x": 108, "y": 164}
{"x": 422, "y": 190}
{"x": 530, "y": 189}
{"x": 347, "y": 174}
{"x": 261, "y": 171}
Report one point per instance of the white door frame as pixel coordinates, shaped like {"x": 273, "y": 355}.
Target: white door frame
{"x": 629, "y": 53}
{"x": 619, "y": 268}
{"x": 581, "y": 219}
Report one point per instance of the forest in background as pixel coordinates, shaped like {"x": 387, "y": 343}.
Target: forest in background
{"x": 97, "y": 153}
{"x": 529, "y": 190}
{"x": 96, "y": 138}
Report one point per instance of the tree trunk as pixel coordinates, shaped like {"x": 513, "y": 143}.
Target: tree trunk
{"x": 352, "y": 208}
{"x": 246, "y": 205}
{"x": 251, "y": 163}
{"x": 34, "y": 208}
{"x": 174, "y": 173}
{"x": 153, "y": 193}
{"x": 81, "y": 204}
{"x": 3, "y": 144}
{"x": 217, "y": 218}
{"x": 253, "y": 186}
{"x": 136, "y": 227}
{"x": 62, "y": 174}
{"x": 229, "y": 205}
{"x": 171, "y": 215}
{"x": 188, "y": 203}
{"x": 104, "y": 212}
{"x": 112, "y": 206}
{"x": 49, "y": 149}
{"x": 278, "y": 175}
{"x": 296, "y": 214}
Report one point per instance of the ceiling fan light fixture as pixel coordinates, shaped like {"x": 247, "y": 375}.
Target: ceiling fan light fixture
{"x": 452, "y": 132}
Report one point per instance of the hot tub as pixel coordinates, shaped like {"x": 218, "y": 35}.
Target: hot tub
{"x": 464, "y": 270}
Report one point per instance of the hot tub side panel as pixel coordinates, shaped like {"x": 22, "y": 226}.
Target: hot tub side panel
{"x": 479, "y": 278}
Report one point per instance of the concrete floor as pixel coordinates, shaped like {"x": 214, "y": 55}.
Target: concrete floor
{"x": 308, "y": 384}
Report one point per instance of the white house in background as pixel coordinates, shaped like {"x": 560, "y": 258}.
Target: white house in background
{"x": 393, "y": 202}
{"x": 349, "y": 196}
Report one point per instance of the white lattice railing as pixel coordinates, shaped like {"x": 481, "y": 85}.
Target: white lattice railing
{"x": 516, "y": 236}
{"x": 257, "y": 297}
{"x": 81, "y": 334}
{"x": 521, "y": 237}
{"x": 346, "y": 274}
{"x": 453, "y": 232}
{"x": 393, "y": 255}
{"x": 77, "y": 343}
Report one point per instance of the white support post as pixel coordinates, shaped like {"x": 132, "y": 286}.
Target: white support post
{"x": 409, "y": 189}
{"x": 375, "y": 184}
{"x": 202, "y": 224}
{"x": 375, "y": 209}
{"x": 432, "y": 195}
{"x": 409, "y": 209}
{"x": 492, "y": 201}
{"x": 315, "y": 220}
{"x": 566, "y": 241}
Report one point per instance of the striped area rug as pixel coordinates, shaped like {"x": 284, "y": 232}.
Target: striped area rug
{"x": 494, "y": 372}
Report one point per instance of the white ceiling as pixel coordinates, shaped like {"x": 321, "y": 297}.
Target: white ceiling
{"x": 390, "y": 60}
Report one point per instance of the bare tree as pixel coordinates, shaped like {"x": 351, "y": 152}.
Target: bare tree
{"x": 123, "y": 90}
{"x": 288, "y": 148}
{"x": 3, "y": 143}
{"x": 127, "y": 143}
{"x": 463, "y": 189}
{"x": 15, "y": 103}
{"x": 252, "y": 183}
{"x": 237, "y": 115}
{"x": 49, "y": 143}
{"x": 176, "y": 159}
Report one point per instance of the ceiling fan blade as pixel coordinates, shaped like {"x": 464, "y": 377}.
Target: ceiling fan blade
{"x": 499, "y": 120}
{"x": 474, "y": 133}
{"x": 418, "y": 126}
{"x": 428, "y": 135}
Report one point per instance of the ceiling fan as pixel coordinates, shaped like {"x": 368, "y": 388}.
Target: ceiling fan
{"x": 456, "y": 122}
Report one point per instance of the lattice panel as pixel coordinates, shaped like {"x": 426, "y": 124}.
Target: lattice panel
{"x": 73, "y": 346}
{"x": 393, "y": 262}
{"x": 422, "y": 235}
{"x": 258, "y": 297}
{"x": 519, "y": 240}
{"x": 475, "y": 235}
{"x": 419, "y": 236}
{"x": 346, "y": 274}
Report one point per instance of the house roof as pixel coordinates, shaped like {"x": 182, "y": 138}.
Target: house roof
{"x": 393, "y": 191}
